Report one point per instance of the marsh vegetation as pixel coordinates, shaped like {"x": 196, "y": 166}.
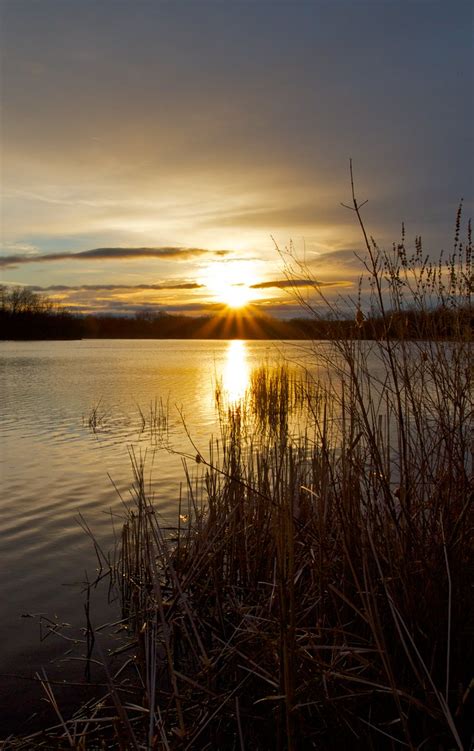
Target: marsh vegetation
{"x": 316, "y": 588}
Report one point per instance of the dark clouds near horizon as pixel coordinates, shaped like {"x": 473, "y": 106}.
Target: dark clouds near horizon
{"x": 107, "y": 254}
{"x": 275, "y": 284}
{"x": 113, "y": 287}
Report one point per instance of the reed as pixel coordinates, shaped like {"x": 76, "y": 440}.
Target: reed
{"x": 315, "y": 591}
{"x": 319, "y": 597}
{"x": 96, "y": 418}
{"x": 154, "y": 421}
{"x": 319, "y": 594}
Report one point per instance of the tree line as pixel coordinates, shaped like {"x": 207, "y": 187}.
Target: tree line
{"x": 24, "y": 314}
{"x": 27, "y": 315}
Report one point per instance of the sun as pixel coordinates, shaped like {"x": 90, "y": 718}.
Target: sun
{"x": 237, "y": 295}
{"x": 231, "y": 283}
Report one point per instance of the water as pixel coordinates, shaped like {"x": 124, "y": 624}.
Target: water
{"x": 55, "y": 469}
{"x": 70, "y": 413}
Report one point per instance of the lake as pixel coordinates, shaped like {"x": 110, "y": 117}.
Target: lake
{"x": 73, "y": 413}
{"x": 70, "y": 414}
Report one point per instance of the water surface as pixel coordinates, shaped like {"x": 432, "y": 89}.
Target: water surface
{"x": 58, "y": 463}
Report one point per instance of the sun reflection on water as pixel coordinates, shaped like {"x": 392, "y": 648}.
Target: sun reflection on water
{"x": 236, "y": 375}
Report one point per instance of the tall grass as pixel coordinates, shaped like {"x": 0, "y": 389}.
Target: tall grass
{"x": 316, "y": 591}
{"x": 320, "y": 594}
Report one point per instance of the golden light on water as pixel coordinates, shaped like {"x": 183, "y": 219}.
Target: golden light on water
{"x": 236, "y": 375}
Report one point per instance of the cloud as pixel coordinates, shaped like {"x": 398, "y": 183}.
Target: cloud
{"x": 24, "y": 248}
{"x": 292, "y": 283}
{"x": 343, "y": 257}
{"x": 125, "y": 308}
{"x": 113, "y": 287}
{"x": 320, "y": 212}
{"x": 166, "y": 253}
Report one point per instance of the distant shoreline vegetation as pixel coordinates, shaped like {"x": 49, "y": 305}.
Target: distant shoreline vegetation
{"x": 28, "y": 316}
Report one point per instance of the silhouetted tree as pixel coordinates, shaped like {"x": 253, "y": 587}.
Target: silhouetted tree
{"x": 24, "y": 314}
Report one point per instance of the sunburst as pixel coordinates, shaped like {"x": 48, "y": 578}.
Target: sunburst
{"x": 231, "y": 283}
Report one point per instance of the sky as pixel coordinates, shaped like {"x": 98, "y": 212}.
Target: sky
{"x": 163, "y": 156}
